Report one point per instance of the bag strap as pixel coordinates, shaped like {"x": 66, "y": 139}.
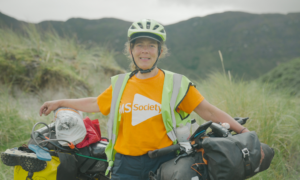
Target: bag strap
{"x": 152, "y": 176}
{"x": 30, "y": 175}
{"x": 246, "y": 158}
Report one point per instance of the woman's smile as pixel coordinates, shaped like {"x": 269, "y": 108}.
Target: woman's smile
{"x": 144, "y": 59}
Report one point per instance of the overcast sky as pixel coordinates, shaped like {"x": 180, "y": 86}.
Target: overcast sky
{"x": 164, "y": 11}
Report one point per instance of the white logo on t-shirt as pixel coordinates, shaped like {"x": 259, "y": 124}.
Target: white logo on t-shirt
{"x": 143, "y": 108}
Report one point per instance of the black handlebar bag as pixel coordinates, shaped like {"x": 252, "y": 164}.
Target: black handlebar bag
{"x": 235, "y": 157}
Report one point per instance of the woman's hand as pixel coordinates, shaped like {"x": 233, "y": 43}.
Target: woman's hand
{"x": 49, "y": 106}
{"x": 89, "y": 105}
{"x": 210, "y": 112}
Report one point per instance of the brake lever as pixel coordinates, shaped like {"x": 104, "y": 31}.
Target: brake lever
{"x": 180, "y": 156}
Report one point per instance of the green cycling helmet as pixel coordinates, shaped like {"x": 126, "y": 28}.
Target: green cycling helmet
{"x": 150, "y": 29}
{"x": 147, "y": 28}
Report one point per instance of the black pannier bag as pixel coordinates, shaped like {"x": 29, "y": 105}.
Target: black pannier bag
{"x": 192, "y": 167}
{"x": 236, "y": 157}
{"x": 73, "y": 166}
{"x": 96, "y": 150}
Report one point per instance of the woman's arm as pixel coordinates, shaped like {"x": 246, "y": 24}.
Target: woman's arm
{"x": 85, "y": 104}
{"x": 208, "y": 112}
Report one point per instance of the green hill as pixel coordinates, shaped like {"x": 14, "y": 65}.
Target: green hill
{"x": 251, "y": 44}
{"x": 9, "y": 22}
{"x": 108, "y": 31}
{"x": 285, "y": 76}
{"x": 37, "y": 61}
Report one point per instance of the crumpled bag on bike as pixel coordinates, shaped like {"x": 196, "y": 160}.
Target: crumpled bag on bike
{"x": 93, "y": 133}
{"x": 187, "y": 168}
{"x": 235, "y": 157}
{"x": 69, "y": 125}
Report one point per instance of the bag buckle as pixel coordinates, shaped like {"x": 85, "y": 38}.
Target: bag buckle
{"x": 245, "y": 152}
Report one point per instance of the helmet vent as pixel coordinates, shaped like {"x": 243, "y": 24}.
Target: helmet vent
{"x": 162, "y": 31}
{"x": 148, "y": 25}
{"x": 141, "y": 26}
{"x": 132, "y": 27}
{"x": 155, "y": 27}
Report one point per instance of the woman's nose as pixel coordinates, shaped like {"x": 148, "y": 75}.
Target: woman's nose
{"x": 145, "y": 49}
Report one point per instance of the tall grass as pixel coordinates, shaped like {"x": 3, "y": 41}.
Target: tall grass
{"x": 274, "y": 115}
{"x": 16, "y": 122}
{"x": 40, "y": 66}
{"x": 42, "y": 60}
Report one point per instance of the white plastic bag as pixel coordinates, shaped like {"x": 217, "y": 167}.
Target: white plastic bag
{"x": 69, "y": 125}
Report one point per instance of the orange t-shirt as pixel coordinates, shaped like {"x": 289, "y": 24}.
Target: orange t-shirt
{"x": 141, "y": 127}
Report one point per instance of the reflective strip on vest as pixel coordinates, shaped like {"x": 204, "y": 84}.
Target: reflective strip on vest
{"x": 176, "y": 87}
{"x": 115, "y": 95}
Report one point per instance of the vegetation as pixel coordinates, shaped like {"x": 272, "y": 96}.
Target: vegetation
{"x": 274, "y": 114}
{"x": 16, "y": 122}
{"x": 285, "y": 77}
{"x": 37, "y": 67}
{"x": 252, "y": 43}
{"x": 35, "y": 61}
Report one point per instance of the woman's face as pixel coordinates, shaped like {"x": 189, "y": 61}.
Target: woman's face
{"x": 145, "y": 52}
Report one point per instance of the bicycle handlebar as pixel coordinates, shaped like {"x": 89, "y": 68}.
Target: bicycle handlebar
{"x": 218, "y": 129}
{"x": 163, "y": 151}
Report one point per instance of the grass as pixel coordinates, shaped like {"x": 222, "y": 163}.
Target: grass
{"x": 16, "y": 123}
{"x": 41, "y": 60}
{"x": 40, "y": 66}
{"x": 285, "y": 77}
{"x": 69, "y": 66}
{"x": 274, "y": 115}
{"x": 17, "y": 117}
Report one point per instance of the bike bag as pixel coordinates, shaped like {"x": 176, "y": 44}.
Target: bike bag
{"x": 236, "y": 157}
{"x": 49, "y": 173}
{"x": 68, "y": 165}
{"x": 89, "y": 165}
{"x": 192, "y": 167}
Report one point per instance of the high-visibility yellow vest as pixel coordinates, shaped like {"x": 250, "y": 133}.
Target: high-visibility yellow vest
{"x": 175, "y": 88}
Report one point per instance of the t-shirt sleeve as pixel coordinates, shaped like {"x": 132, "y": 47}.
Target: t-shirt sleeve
{"x": 192, "y": 99}
{"x": 104, "y": 101}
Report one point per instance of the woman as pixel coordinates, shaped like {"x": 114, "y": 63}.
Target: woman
{"x": 145, "y": 106}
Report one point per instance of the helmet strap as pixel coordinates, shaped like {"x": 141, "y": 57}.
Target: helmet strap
{"x": 154, "y": 65}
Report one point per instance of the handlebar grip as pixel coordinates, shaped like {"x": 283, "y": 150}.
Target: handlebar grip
{"x": 163, "y": 151}
{"x": 241, "y": 121}
{"x": 219, "y": 130}
{"x": 45, "y": 129}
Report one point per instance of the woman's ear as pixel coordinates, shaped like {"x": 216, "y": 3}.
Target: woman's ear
{"x": 161, "y": 51}
{"x": 129, "y": 49}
